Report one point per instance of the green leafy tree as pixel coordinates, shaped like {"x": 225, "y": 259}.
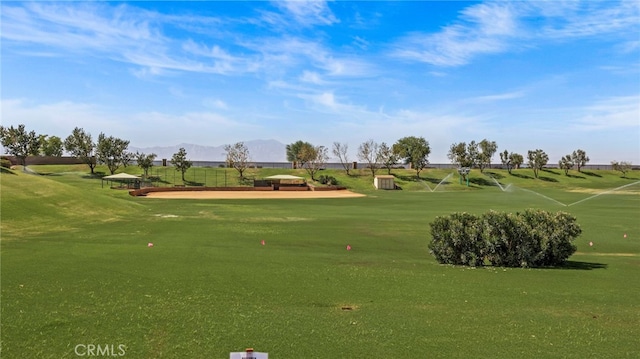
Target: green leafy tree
{"x": 20, "y": 143}
{"x": 51, "y": 146}
{"x": 238, "y": 157}
{"x": 622, "y": 166}
{"x": 294, "y": 150}
{"x": 387, "y": 158}
{"x": 180, "y": 162}
{"x": 340, "y": 150}
{"x": 368, "y": 152}
{"x": 314, "y": 158}
{"x": 145, "y": 162}
{"x": 579, "y": 158}
{"x": 112, "y": 152}
{"x": 487, "y": 150}
{"x": 460, "y": 156}
{"x": 516, "y": 160}
{"x": 537, "y": 160}
{"x": 566, "y": 163}
{"x": 80, "y": 145}
{"x": 504, "y": 158}
{"x": 414, "y": 151}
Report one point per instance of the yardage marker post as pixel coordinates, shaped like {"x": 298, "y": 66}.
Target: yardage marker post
{"x": 464, "y": 173}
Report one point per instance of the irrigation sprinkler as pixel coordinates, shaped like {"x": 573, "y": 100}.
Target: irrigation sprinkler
{"x": 464, "y": 173}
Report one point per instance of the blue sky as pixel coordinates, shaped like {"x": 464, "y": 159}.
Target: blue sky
{"x": 554, "y": 75}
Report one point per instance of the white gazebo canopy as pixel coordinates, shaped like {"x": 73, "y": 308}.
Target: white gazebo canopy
{"x": 284, "y": 177}
{"x": 120, "y": 177}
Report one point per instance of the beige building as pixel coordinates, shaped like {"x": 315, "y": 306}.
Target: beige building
{"x": 384, "y": 182}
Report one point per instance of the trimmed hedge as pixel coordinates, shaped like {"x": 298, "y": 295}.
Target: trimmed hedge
{"x": 533, "y": 238}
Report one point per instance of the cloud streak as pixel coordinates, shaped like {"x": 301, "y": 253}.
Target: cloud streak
{"x": 498, "y": 27}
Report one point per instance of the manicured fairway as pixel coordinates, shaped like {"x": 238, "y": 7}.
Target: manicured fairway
{"x": 77, "y": 269}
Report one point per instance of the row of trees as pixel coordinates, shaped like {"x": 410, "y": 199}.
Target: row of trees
{"x": 411, "y": 150}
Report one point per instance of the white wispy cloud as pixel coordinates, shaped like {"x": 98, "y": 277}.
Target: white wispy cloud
{"x": 497, "y": 27}
{"x": 497, "y": 97}
{"x": 611, "y": 113}
{"x": 60, "y": 118}
{"x": 585, "y": 19}
{"x": 308, "y": 12}
{"x": 481, "y": 29}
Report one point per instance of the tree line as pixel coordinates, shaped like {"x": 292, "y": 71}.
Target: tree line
{"x": 411, "y": 150}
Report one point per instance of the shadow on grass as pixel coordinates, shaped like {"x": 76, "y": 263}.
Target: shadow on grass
{"x": 94, "y": 175}
{"x": 547, "y": 179}
{"x": 494, "y": 174}
{"x": 6, "y": 171}
{"x": 436, "y": 181}
{"x": 581, "y": 265}
{"x": 550, "y": 171}
{"x": 590, "y": 173}
{"x": 519, "y": 175}
{"x": 481, "y": 182}
{"x": 412, "y": 178}
{"x": 575, "y": 176}
{"x": 193, "y": 183}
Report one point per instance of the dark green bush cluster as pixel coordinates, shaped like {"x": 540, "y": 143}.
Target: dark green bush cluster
{"x": 533, "y": 238}
{"x": 4, "y": 162}
{"x": 327, "y": 180}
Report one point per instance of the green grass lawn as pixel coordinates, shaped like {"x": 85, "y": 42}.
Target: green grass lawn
{"x": 76, "y": 269}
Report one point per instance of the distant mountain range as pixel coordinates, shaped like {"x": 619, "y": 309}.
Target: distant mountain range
{"x": 259, "y": 150}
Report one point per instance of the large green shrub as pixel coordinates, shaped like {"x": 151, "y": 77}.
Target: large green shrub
{"x": 5, "y": 163}
{"x": 533, "y": 238}
{"x": 456, "y": 239}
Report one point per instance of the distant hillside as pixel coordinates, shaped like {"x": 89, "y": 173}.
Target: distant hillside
{"x": 260, "y": 151}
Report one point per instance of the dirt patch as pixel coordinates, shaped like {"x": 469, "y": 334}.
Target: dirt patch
{"x": 253, "y": 194}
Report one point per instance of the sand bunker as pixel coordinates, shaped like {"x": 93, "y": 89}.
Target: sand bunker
{"x": 253, "y": 194}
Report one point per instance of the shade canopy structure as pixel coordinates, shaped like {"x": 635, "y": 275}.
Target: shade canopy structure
{"x": 285, "y": 177}
{"x": 122, "y": 178}
{"x": 285, "y": 180}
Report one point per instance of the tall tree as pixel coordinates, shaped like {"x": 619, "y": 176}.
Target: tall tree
{"x": 504, "y": 158}
{"x": 579, "y": 158}
{"x": 459, "y": 155}
{"x": 368, "y": 152}
{"x": 340, "y": 150}
{"x": 487, "y": 150}
{"x": 516, "y": 160}
{"x": 20, "y": 143}
{"x": 51, "y": 145}
{"x": 314, "y": 158}
{"x": 180, "y": 162}
{"x": 621, "y": 166}
{"x": 511, "y": 160}
{"x": 238, "y": 157}
{"x": 414, "y": 151}
{"x": 566, "y": 163}
{"x": 386, "y": 157}
{"x": 294, "y": 150}
{"x": 145, "y": 162}
{"x": 537, "y": 160}
{"x": 80, "y": 145}
{"x": 112, "y": 152}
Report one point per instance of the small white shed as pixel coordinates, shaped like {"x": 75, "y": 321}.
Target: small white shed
{"x": 384, "y": 182}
